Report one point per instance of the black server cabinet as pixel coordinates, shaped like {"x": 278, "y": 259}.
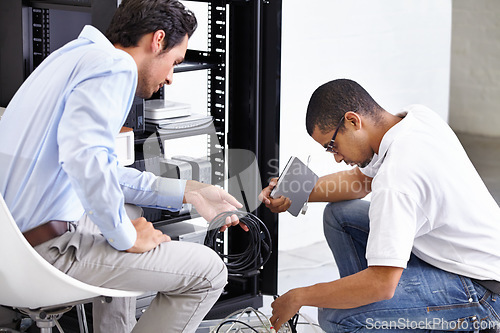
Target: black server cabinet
{"x": 29, "y": 33}
{"x": 254, "y": 104}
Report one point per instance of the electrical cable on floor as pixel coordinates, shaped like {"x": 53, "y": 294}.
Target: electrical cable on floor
{"x": 237, "y": 321}
{"x": 260, "y": 324}
{"x": 257, "y": 252}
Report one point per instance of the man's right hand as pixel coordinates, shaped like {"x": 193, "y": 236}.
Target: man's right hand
{"x": 147, "y": 236}
{"x": 277, "y": 205}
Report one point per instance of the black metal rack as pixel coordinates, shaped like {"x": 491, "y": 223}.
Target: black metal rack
{"x": 253, "y": 79}
{"x": 254, "y": 104}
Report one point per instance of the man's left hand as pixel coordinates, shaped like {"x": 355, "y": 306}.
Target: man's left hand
{"x": 284, "y": 308}
{"x": 210, "y": 201}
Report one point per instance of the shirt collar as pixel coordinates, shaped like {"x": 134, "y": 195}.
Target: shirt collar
{"x": 94, "y": 35}
{"x": 393, "y": 133}
{"x": 389, "y": 138}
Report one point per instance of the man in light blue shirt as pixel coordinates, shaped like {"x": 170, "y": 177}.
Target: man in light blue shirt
{"x": 58, "y": 163}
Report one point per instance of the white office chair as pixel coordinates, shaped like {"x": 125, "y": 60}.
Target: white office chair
{"x": 35, "y": 287}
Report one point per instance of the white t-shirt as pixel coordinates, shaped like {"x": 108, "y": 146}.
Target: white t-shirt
{"x": 427, "y": 198}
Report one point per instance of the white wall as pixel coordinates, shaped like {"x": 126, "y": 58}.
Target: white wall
{"x": 475, "y": 67}
{"x": 398, "y": 50}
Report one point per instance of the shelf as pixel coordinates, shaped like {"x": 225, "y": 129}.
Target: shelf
{"x": 169, "y": 219}
{"x": 62, "y": 4}
{"x": 188, "y": 66}
{"x": 141, "y": 138}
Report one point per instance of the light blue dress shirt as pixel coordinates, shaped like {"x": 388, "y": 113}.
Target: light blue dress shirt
{"x": 57, "y": 143}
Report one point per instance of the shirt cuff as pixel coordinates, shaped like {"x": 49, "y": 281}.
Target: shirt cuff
{"x": 123, "y": 237}
{"x": 170, "y": 192}
{"x": 387, "y": 262}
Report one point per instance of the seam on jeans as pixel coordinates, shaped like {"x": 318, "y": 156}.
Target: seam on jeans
{"x": 360, "y": 267}
{"x": 487, "y": 305}
{"x": 456, "y": 306}
{"x": 465, "y": 286}
{"x": 485, "y": 296}
{"x": 343, "y": 225}
{"x": 452, "y": 306}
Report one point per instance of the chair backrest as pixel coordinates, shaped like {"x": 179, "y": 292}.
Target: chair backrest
{"x": 28, "y": 281}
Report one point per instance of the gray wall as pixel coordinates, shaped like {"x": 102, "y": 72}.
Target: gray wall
{"x": 475, "y": 67}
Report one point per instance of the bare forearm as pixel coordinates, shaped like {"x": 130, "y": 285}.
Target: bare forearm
{"x": 368, "y": 286}
{"x": 340, "y": 186}
{"x": 365, "y": 287}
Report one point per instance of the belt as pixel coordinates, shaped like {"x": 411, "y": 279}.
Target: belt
{"x": 46, "y": 232}
{"x": 491, "y": 285}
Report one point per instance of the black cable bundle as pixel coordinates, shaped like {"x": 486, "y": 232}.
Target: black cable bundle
{"x": 257, "y": 252}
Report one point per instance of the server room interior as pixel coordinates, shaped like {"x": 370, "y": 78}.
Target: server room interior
{"x": 314, "y": 263}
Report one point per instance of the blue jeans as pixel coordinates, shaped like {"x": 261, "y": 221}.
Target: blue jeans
{"x": 427, "y": 299}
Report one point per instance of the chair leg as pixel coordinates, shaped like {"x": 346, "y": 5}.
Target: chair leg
{"x": 46, "y": 318}
{"x": 45, "y": 326}
{"x": 82, "y": 318}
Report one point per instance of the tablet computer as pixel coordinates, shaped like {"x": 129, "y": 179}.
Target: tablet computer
{"x": 295, "y": 182}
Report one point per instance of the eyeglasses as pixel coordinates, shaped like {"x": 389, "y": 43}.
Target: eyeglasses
{"x": 329, "y": 148}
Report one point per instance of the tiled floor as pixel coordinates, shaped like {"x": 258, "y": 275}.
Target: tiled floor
{"x": 313, "y": 264}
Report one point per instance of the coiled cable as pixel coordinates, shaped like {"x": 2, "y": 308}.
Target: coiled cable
{"x": 257, "y": 252}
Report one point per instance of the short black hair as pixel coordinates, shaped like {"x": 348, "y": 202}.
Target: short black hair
{"x": 332, "y": 100}
{"x": 136, "y": 18}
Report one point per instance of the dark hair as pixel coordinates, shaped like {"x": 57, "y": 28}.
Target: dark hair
{"x": 136, "y": 18}
{"x": 333, "y": 99}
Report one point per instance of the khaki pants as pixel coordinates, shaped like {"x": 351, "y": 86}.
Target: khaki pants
{"x": 188, "y": 277}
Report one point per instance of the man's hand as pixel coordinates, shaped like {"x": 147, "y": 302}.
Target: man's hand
{"x": 284, "y": 308}
{"x": 277, "y": 205}
{"x": 210, "y": 201}
{"x": 373, "y": 284}
{"x": 147, "y": 236}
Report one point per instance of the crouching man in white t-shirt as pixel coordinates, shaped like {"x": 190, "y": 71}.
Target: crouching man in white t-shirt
{"x": 424, "y": 253}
